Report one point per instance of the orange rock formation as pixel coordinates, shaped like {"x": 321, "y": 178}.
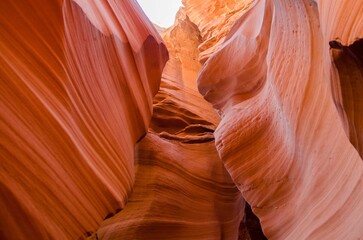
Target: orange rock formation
{"x": 77, "y": 82}
{"x": 281, "y": 137}
{"x": 182, "y": 190}
{"x": 103, "y": 138}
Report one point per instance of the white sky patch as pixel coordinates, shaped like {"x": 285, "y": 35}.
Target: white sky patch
{"x": 161, "y": 12}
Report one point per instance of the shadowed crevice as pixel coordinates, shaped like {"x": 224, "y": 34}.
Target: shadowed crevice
{"x": 250, "y": 227}
{"x": 348, "y": 89}
{"x": 253, "y": 224}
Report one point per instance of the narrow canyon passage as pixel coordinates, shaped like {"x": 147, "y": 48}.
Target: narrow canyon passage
{"x": 238, "y": 122}
{"x": 182, "y": 190}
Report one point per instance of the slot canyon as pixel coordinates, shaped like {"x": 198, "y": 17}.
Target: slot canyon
{"x": 242, "y": 121}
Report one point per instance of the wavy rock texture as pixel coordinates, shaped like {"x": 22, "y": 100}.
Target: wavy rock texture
{"x": 214, "y": 18}
{"x": 77, "y": 81}
{"x": 341, "y": 20}
{"x": 182, "y": 190}
{"x": 94, "y": 145}
{"x": 281, "y": 136}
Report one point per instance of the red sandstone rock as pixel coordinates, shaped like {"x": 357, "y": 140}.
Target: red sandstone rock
{"x": 182, "y": 190}
{"x": 214, "y": 18}
{"x": 77, "y": 85}
{"x": 77, "y": 81}
{"x": 281, "y": 137}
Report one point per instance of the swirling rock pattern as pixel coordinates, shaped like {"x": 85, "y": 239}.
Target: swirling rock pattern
{"x": 281, "y": 137}
{"x": 214, "y": 19}
{"x": 77, "y": 81}
{"x": 100, "y": 141}
{"x": 182, "y": 190}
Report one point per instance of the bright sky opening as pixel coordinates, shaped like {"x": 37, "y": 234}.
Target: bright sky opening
{"x": 161, "y": 12}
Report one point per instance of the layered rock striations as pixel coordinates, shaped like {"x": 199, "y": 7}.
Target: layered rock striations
{"x": 281, "y": 136}
{"x": 77, "y": 81}
{"x": 99, "y": 140}
{"x": 214, "y": 19}
{"x": 182, "y": 190}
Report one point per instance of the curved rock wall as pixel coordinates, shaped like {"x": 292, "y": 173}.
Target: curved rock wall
{"x": 182, "y": 190}
{"x": 281, "y": 137}
{"x": 341, "y": 20}
{"x": 347, "y": 85}
{"x": 214, "y": 19}
{"x": 77, "y": 81}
